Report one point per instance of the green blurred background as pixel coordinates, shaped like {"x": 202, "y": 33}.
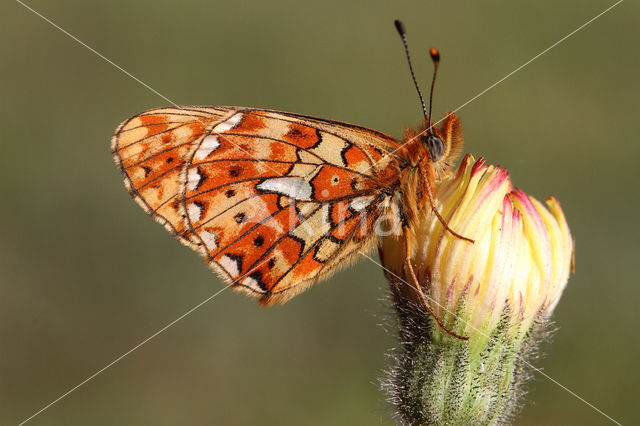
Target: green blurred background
{"x": 85, "y": 275}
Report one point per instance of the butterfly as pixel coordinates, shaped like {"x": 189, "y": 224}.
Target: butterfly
{"x": 276, "y": 201}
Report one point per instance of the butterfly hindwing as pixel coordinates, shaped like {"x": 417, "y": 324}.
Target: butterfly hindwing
{"x": 151, "y": 149}
{"x": 274, "y": 201}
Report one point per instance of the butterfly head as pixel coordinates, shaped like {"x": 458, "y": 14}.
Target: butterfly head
{"x": 443, "y": 143}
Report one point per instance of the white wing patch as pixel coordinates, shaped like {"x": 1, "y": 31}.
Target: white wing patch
{"x": 194, "y": 211}
{"x": 230, "y": 265}
{"x": 293, "y": 187}
{"x": 229, "y": 124}
{"x": 208, "y": 145}
{"x": 210, "y": 239}
{"x": 252, "y": 284}
{"x": 193, "y": 179}
{"x": 361, "y": 203}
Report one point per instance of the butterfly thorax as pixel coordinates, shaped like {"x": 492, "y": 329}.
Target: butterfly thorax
{"x": 427, "y": 156}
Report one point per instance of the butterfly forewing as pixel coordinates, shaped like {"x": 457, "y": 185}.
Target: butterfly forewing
{"x": 274, "y": 201}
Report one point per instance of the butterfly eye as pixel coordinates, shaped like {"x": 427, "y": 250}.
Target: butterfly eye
{"x": 436, "y": 147}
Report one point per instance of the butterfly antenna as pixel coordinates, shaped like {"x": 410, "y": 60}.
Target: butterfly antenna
{"x": 435, "y": 57}
{"x": 403, "y": 35}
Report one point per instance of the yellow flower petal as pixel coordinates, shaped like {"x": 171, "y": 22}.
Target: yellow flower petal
{"x": 520, "y": 260}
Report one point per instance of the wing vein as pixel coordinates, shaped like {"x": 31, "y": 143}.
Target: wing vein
{"x": 372, "y": 163}
{"x": 153, "y": 135}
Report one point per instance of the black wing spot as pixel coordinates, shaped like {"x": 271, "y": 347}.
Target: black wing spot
{"x": 354, "y": 184}
{"x": 240, "y": 218}
{"x": 230, "y": 193}
{"x": 235, "y": 171}
{"x": 170, "y": 160}
{"x": 258, "y": 241}
{"x": 257, "y": 275}
{"x": 147, "y": 170}
{"x": 272, "y": 263}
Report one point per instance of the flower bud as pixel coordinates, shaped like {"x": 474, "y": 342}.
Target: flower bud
{"x": 498, "y": 291}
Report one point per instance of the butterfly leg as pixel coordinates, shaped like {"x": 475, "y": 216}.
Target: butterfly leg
{"x": 428, "y": 183}
{"x": 418, "y": 288}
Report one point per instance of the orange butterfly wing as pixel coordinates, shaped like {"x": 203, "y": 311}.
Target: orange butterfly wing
{"x": 274, "y": 201}
{"x": 151, "y": 149}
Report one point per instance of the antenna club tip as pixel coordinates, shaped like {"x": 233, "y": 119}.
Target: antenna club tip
{"x": 400, "y": 27}
{"x": 435, "y": 54}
